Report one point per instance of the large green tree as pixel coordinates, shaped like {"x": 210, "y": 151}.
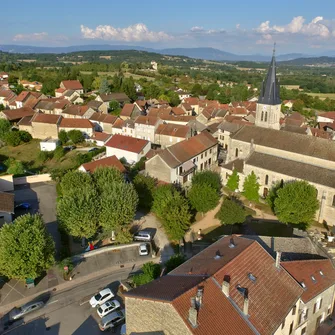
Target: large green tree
{"x": 203, "y": 197}
{"x": 296, "y": 203}
{"x": 4, "y": 128}
{"x": 104, "y": 87}
{"x": 76, "y": 136}
{"x": 75, "y": 181}
{"x": 145, "y": 187}
{"x": 26, "y": 249}
{"x": 211, "y": 178}
{"x": 150, "y": 271}
{"x": 231, "y": 212}
{"x": 251, "y": 187}
{"x": 233, "y": 181}
{"x": 163, "y": 195}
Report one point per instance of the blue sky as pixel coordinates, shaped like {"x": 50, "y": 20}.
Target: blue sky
{"x": 242, "y": 27}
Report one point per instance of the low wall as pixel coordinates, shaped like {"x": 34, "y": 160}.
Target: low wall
{"x": 6, "y": 183}
{"x": 39, "y": 178}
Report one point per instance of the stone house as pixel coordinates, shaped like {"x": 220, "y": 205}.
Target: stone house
{"x": 178, "y": 163}
{"x": 77, "y": 112}
{"x": 130, "y": 148}
{"x": 74, "y": 85}
{"x": 103, "y": 122}
{"x": 73, "y": 96}
{"x": 111, "y": 161}
{"x": 99, "y": 138}
{"x": 130, "y": 111}
{"x": 15, "y": 115}
{"x": 7, "y": 97}
{"x": 84, "y": 125}
{"x": 45, "y": 125}
{"x": 121, "y": 98}
{"x": 98, "y": 106}
{"x": 169, "y": 134}
{"x": 194, "y": 103}
{"x": 232, "y": 287}
{"x": 128, "y": 128}
{"x": 145, "y": 127}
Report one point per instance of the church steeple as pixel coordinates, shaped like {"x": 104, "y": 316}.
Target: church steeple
{"x": 270, "y": 87}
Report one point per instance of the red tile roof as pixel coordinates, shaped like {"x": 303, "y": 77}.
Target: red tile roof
{"x": 76, "y": 123}
{"x": 72, "y": 84}
{"x": 100, "y": 136}
{"x": 330, "y": 115}
{"x": 149, "y": 120}
{"x": 127, "y": 110}
{"x": 302, "y": 271}
{"x": 46, "y": 118}
{"x": 175, "y": 130}
{"x": 22, "y": 96}
{"x": 178, "y": 111}
{"x": 127, "y": 143}
{"x": 192, "y": 101}
{"x": 17, "y": 114}
{"x": 75, "y": 110}
{"x": 108, "y": 161}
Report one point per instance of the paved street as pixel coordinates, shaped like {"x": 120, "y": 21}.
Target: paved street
{"x": 42, "y": 198}
{"x": 69, "y": 312}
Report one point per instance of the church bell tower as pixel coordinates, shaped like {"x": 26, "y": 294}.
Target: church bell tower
{"x": 268, "y": 109}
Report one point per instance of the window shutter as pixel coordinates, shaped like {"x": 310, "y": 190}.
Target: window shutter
{"x": 306, "y": 316}
{"x": 320, "y": 304}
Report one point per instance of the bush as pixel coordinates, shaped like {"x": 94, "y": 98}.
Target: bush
{"x": 43, "y": 156}
{"x": 145, "y": 186}
{"x": 231, "y": 212}
{"x": 211, "y": 178}
{"x": 76, "y": 136}
{"x": 58, "y": 153}
{"x": 151, "y": 271}
{"x": 25, "y": 136}
{"x": 203, "y": 197}
{"x": 13, "y": 138}
{"x": 174, "y": 262}
{"x": 14, "y": 167}
{"x": 62, "y": 136}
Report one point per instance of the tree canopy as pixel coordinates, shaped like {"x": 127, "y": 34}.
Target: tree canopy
{"x": 251, "y": 187}
{"x": 145, "y": 186}
{"x": 203, "y": 197}
{"x": 150, "y": 270}
{"x": 233, "y": 181}
{"x": 231, "y": 212}
{"x": 26, "y": 249}
{"x": 296, "y": 203}
{"x": 211, "y": 178}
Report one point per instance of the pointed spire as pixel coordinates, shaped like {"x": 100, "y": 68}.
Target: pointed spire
{"x": 269, "y": 94}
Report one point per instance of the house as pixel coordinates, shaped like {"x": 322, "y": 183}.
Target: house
{"x": 182, "y": 94}
{"x": 49, "y": 144}
{"x": 145, "y": 127}
{"x": 4, "y": 75}
{"x": 317, "y": 278}
{"x": 225, "y": 130}
{"x": 103, "y": 122}
{"x": 194, "y": 103}
{"x": 130, "y": 148}
{"x": 169, "y": 134}
{"x": 179, "y": 162}
{"x": 127, "y": 128}
{"x": 6, "y": 207}
{"x": 73, "y": 96}
{"x": 84, "y": 125}
{"x": 72, "y": 85}
{"x": 99, "y": 138}
{"x": 15, "y": 115}
{"x": 77, "y": 112}
{"x": 28, "y": 99}
{"x": 111, "y": 161}
{"x": 130, "y": 111}
{"x": 31, "y": 85}
{"x": 98, "y": 106}
{"x": 121, "y": 98}
{"x": 232, "y": 287}
{"x": 52, "y": 105}
{"x": 45, "y": 126}
{"x": 7, "y": 97}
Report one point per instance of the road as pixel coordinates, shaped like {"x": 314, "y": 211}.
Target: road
{"x": 69, "y": 312}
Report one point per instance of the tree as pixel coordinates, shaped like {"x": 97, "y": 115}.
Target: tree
{"x": 13, "y": 138}
{"x": 173, "y": 98}
{"x": 128, "y": 87}
{"x": 152, "y": 91}
{"x": 203, "y": 197}
{"x": 14, "y": 167}
{"x": 5, "y": 127}
{"x": 62, "y": 136}
{"x": 174, "y": 262}
{"x": 104, "y": 87}
{"x": 163, "y": 195}
{"x": 105, "y": 177}
{"x": 114, "y": 105}
{"x": 77, "y": 213}
{"x": 233, "y": 181}
{"x": 75, "y": 181}
{"x": 76, "y": 136}
{"x": 26, "y": 249}
{"x": 196, "y": 90}
{"x": 211, "y": 178}
{"x": 150, "y": 270}
{"x": 251, "y": 187}
{"x": 231, "y": 212}
{"x": 296, "y": 203}
{"x": 145, "y": 186}
{"x": 176, "y": 216}
{"x": 272, "y": 195}
{"x": 58, "y": 153}
{"x": 25, "y": 136}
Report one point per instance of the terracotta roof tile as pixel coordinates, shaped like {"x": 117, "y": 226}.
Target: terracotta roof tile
{"x": 127, "y": 110}
{"x": 46, "y": 118}
{"x": 302, "y": 271}
{"x": 149, "y": 120}
{"x": 104, "y": 162}
{"x": 100, "y": 136}
{"x": 175, "y": 130}
{"x": 72, "y": 84}
{"x": 192, "y": 101}
{"x": 127, "y": 143}
{"x": 178, "y": 111}
{"x": 76, "y": 123}
{"x": 6, "y": 202}
{"x": 22, "y": 96}
{"x": 17, "y": 114}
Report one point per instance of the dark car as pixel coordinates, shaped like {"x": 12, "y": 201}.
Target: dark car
{"x": 93, "y": 149}
{"x": 23, "y": 205}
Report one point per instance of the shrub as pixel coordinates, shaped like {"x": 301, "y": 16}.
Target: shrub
{"x": 62, "y": 136}
{"x": 58, "y": 153}
{"x": 231, "y": 212}
{"x": 76, "y": 136}
{"x": 13, "y": 138}
{"x": 25, "y": 136}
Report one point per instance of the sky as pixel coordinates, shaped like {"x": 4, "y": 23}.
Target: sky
{"x": 242, "y": 27}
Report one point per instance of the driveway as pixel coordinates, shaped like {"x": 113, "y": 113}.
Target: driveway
{"x": 160, "y": 238}
{"x": 42, "y": 198}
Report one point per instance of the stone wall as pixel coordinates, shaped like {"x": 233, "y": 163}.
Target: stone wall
{"x": 39, "y": 178}
{"x": 157, "y": 168}
{"x": 154, "y": 317}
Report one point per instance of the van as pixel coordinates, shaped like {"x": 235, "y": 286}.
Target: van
{"x": 111, "y": 320}
{"x": 142, "y": 235}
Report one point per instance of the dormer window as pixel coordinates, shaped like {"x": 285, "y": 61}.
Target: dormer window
{"x": 313, "y": 279}
{"x": 252, "y": 277}
{"x": 321, "y": 273}
{"x": 303, "y": 284}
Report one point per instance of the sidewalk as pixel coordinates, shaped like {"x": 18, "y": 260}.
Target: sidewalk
{"x": 14, "y": 293}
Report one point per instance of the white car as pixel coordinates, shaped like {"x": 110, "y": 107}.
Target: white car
{"x": 108, "y": 307}
{"x": 101, "y": 297}
{"x": 143, "y": 249}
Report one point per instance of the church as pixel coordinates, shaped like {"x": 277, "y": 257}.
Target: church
{"x": 276, "y": 155}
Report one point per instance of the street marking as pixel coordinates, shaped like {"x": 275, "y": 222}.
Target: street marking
{"x": 52, "y": 302}
{"x": 83, "y": 303}
{"x": 12, "y": 288}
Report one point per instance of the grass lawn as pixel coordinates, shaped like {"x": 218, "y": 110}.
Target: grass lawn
{"x": 28, "y": 153}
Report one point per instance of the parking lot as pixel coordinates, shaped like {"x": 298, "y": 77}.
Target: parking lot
{"x": 42, "y": 199}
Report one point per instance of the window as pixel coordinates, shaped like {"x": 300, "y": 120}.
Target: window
{"x": 283, "y": 324}
{"x": 210, "y": 161}
{"x": 206, "y": 154}
{"x": 236, "y": 152}
{"x": 266, "y": 117}
{"x": 180, "y": 169}
{"x": 291, "y": 328}
{"x": 266, "y": 179}
{"x": 294, "y": 309}
{"x": 262, "y": 117}
{"x": 317, "y": 305}
{"x": 333, "y": 204}
{"x": 303, "y": 331}
{"x": 202, "y": 156}
{"x": 210, "y": 151}
{"x": 313, "y": 279}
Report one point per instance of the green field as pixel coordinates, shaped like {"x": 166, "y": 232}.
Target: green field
{"x": 323, "y": 96}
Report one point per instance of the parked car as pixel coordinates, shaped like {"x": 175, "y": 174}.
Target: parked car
{"x": 108, "y": 307}
{"x": 23, "y": 205}
{"x": 111, "y": 320}
{"x": 70, "y": 147}
{"x": 123, "y": 330}
{"x": 143, "y": 249}
{"x": 93, "y": 149}
{"x": 142, "y": 235}
{"x": 20, "y": 312}
{"x": 101, "y": 297}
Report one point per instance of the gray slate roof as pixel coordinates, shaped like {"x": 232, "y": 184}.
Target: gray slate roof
{"x": 288, "y": 141}
{"x": 311, "y": 173}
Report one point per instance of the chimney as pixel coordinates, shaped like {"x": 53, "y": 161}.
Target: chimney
{"x": 193, "y": 314}
{"x": 246, "y": 305}
{"x": 225, "y": 288}
{"x": 278, "y": 257}
{"x": 198, "y": 298}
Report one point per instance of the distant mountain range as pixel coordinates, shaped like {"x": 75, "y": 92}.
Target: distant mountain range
{"x": 199, "y": 53}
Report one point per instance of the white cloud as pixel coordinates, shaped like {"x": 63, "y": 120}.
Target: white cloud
{"x": 197, "y": 29}
{"x": 201, "y": 30}
{"x": 317, "y": 27}
{"x": 136, "y": 33}
{"x": 31, "y": 37}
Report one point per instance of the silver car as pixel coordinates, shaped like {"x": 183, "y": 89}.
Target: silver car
{"x": 20, "y": 312}
{"x": 111, "y": 320}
